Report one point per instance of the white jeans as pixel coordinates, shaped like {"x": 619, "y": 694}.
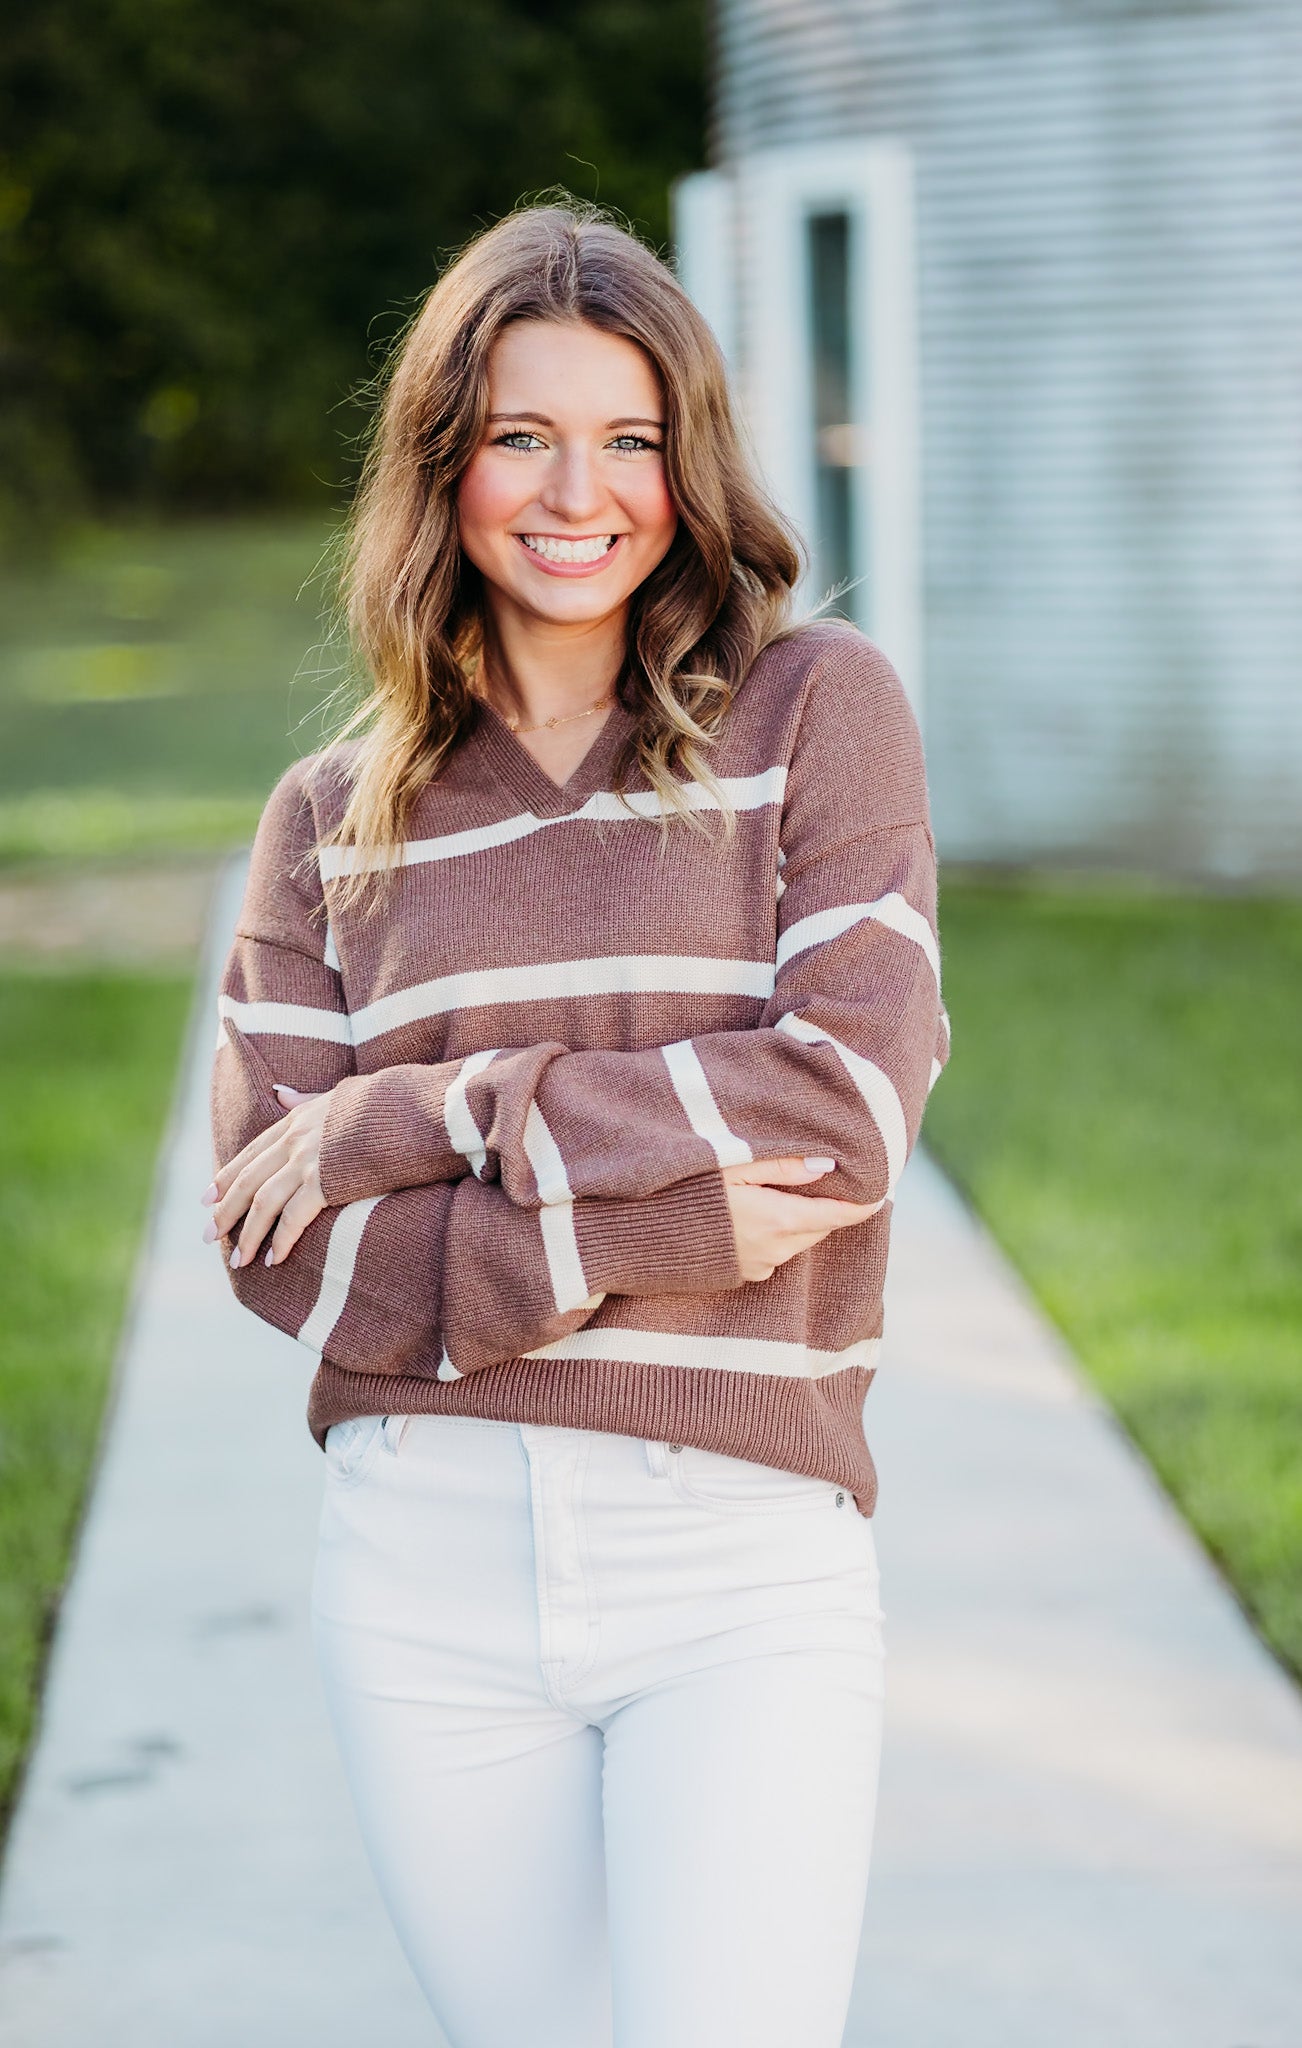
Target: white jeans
{"x": 610, "y": 1712}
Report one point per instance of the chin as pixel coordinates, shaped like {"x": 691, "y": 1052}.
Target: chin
{"x": 578, "y": 603}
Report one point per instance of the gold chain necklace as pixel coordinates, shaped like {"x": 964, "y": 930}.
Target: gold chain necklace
{"x": 600, "y": 705}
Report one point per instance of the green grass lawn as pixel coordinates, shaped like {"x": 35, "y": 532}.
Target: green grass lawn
{"x": 87, "y": 1062}
{"x": 1123, "y": 1106}
{"x": 154, "y": 682}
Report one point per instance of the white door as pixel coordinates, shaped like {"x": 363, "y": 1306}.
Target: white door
{"x": 802, "y": 260}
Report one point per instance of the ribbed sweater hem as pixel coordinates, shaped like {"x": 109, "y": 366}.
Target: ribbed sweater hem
{"x": 747, "y": 1415}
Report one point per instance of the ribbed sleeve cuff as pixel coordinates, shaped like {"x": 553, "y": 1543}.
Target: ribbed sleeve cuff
{"x": 375, "y": 1139}
{"x": 678, "y": 1241}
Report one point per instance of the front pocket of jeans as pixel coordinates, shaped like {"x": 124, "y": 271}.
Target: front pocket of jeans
{"x": 728, "y": 1485}
{"x": 351, "y": 1446}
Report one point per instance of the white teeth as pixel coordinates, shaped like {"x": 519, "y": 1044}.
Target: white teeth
{"x": 554, "y": 550}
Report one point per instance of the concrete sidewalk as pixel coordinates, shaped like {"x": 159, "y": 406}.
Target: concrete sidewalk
{"x": 1090, "y": 1831}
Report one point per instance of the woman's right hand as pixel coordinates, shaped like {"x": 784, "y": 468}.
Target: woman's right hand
{"x": 771, "y": 1226}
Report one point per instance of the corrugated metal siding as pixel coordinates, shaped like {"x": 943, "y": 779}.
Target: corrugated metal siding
{"x": 1109, "y": 235}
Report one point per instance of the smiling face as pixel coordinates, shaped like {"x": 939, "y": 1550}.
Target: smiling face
{"x": 564, "y": 507}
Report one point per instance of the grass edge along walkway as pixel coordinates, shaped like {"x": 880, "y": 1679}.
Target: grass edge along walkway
{"x": 1122, "y": 1109}
{"x": 91, "y": 1061}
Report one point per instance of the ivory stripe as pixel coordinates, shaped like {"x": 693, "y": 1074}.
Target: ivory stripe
{"x": 717, "y": 1354}
{"x": 288, "y": 1020}
{"x": 892, "y": 910}
{"x": 876, "y": 1088}
{"x": 561, "y": 1245}
{"x": 570, "y": 1287}
{"x": 613, "y": 974}
{"x": 337, "y": 1272}
{"x": 464, "y": 1133}
{"x": 544, "y": 1156}
{"x": 744, "y": 792}
{"x": 692, "y": 1087}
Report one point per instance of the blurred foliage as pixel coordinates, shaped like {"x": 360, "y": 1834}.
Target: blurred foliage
{"x": 214, "y": 219}
{"x": 155, "y": 680}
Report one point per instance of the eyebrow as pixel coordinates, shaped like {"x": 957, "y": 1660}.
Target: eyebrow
{"x": 541, "y": 419}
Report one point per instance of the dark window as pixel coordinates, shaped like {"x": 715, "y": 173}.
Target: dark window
{"x": 837, "y": 548}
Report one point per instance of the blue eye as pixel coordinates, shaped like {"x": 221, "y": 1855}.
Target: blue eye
{"x": 625, "y": 444}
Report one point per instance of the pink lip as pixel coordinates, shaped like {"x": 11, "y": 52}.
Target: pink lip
{"x": 572, "y": 568}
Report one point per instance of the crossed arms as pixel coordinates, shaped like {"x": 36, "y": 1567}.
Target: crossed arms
{"x": 480, "y": 1208}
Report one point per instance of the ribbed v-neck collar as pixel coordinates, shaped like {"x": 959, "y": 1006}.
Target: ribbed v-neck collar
{"x": 510, "y": 760}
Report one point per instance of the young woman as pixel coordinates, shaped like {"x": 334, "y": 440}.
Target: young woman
{"x": 580, "y": 1018}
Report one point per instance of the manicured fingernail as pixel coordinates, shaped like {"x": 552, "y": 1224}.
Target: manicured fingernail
{"x": 820, "y": 1165}
{"x": 269, "y": 1259}
{"x": 209, "y": 1194}
{"x": 209, "y": 1231}
{"x": 235, "y": 1256}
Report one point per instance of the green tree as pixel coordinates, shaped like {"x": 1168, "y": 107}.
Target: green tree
{"x": 213, "y": 217}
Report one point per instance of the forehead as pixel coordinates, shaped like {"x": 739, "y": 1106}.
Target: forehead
{"x": 550, "y": 366}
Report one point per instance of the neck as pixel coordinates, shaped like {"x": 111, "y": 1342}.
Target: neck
{"x": 533, "y": 669}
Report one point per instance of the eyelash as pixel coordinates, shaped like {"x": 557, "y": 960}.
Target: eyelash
{"x": 523, "y": 433}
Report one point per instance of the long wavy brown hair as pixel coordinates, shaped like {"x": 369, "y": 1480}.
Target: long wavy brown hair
{"x": 413, "y": 604}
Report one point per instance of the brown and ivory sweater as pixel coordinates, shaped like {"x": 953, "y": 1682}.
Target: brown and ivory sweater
{"x": 544, "y": 1053}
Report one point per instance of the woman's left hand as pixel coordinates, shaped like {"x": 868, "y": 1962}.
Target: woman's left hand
{"x": 277, "y": 1175}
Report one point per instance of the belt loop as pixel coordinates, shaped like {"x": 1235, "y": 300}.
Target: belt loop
{"x": 655, "y": 1455}
{"x": 395, "y": 1428}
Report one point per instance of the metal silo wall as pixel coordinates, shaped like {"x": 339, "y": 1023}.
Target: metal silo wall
{"x": 1109, "y": 247}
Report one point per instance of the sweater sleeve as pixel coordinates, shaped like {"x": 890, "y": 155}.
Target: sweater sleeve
{"x": 439, "y": 1278}
{"x": 840, "y": 1063}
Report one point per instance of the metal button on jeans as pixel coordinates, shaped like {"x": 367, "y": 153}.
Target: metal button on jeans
{"x": 840, "y": 1500}
{"x": 673, "y": 1447}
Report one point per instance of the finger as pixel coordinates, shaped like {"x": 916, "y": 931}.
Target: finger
{"x": 227, "y": 1174}
{"x": 831, "y": 1214}
{"x": 264, "y": 1209}
{"x": 778, "y": 1172}
{"x": 797, "y": 1215}
{"x": 298, "y": 1212}
{"x": 239, "y": 1195}
{"x": 797, "y": 1211}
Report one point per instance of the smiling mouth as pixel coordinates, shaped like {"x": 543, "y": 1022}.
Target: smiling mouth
{"x": 590, "y": 548}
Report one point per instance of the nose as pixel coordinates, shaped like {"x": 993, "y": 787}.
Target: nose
{"x": 573, "y": 489}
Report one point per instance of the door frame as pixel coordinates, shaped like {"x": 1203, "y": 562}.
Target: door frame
{"x": 740, "y": 238}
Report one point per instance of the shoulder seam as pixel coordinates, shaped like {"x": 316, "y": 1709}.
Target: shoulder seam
{"x": 280, "y": 945}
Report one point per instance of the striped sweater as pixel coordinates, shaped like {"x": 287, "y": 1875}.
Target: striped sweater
{"x": 544, "y": 1052}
